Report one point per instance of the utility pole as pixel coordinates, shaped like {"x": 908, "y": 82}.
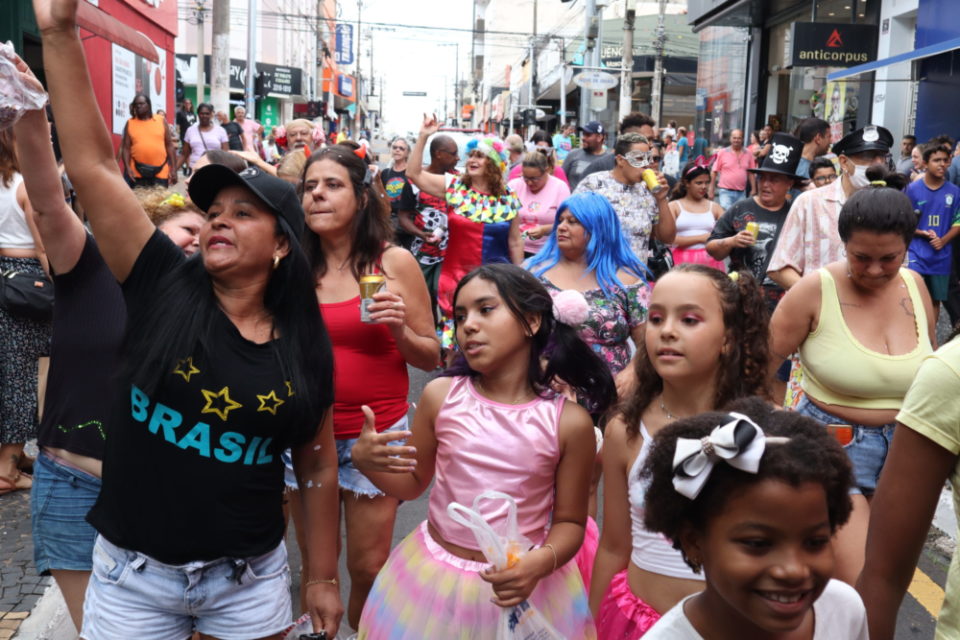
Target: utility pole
{"x": 656, "y": 89}
{"x": 201, "y": 54}
{"x": 590, "y": 33}
{"x": 251, "y": 98}
{"x": 220, "y": 57}
{"x": 533, "y": 57}
{"x": 456, "y": 86}
{"x": 626, "y": 72}
{"x": 358, "y": 91}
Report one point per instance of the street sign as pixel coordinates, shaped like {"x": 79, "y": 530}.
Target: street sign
{"x": 415, "y": 94}
{"x": 344, "y": 44}
{"x": 596, "y": 80}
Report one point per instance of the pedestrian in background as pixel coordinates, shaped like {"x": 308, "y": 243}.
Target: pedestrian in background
{"x": 147, "y": 150}
{"x": 729, "y": 175}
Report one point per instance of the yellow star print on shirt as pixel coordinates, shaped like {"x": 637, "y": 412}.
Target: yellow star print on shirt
{"x": 289, "y": 387}
{"x": 227, "y": 405}
{"x": 185, "y": 368}
{"x": 269, "y": 402}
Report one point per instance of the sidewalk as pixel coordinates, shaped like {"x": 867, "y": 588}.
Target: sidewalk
{"x": 20, "y": 586}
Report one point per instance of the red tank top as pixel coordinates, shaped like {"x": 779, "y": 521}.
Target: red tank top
{"x": 368, "y": 369}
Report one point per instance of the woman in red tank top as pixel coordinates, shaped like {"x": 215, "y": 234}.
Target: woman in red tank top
{"x": 352, "y": 233}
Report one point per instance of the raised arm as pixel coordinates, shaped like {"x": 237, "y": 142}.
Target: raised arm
{"x": 432, "y": 183}
{"x": 119, "y": 224}
{"x": 59, "y": 228}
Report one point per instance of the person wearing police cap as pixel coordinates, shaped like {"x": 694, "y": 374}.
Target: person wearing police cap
{"x": 767, "y": 209}
{"x": 810, "y": 239}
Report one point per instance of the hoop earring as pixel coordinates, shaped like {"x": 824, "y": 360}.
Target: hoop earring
{"x": 276, "y": 261}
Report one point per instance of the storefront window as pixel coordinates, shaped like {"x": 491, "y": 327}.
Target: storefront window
{"x": 721, "y": 79}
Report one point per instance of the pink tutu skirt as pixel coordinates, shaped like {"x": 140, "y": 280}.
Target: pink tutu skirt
{"x": 697, "y": 256}
{"x": 588, "y": 552}
{"x": 425, "y": 593}
{"x": 622, "y": 615}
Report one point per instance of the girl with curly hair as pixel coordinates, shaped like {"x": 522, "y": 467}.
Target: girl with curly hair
{"x": 752, "y": 498}
{"x": 482, "y": 215}
{"x": 705, "y": 345}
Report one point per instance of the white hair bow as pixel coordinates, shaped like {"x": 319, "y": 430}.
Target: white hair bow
{"x": 740, "y": 443}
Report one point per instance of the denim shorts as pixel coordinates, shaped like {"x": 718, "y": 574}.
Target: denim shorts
{"x": 867, "y": 450}
{"x": 131, "y": 595}
{"x": 351, "y": 478}
{"x": 59, "y": 501}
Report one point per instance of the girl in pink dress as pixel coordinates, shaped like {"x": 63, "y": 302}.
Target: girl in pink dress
{"x": 491, "y": 422}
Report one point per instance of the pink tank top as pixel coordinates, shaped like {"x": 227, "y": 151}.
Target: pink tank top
{"x": 481, "y": 445}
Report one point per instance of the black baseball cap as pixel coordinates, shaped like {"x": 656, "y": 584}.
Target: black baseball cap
{"x": 593, "y": 127}
{"x": 278, "y": 195}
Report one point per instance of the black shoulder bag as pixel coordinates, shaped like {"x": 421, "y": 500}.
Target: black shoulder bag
{"x": 27, "y": 295}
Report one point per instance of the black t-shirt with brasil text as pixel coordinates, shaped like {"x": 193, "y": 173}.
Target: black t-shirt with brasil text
{"x": 192, "y": 470}
{"x": 754, "y": 258}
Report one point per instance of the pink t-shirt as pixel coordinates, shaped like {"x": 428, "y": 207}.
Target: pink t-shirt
{"x": 733, "y": 168}
{"x": 538, "y": 208}
{"x": 250, "y": 128}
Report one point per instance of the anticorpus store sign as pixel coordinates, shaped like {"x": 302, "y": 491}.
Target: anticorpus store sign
{"x": 821, "y": 44}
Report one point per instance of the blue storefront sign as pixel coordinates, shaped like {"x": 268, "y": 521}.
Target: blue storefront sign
{"x": 344, "y": 44}
{"x": 345, "y": 85}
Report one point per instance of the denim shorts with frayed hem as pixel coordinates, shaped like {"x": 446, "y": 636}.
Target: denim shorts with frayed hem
{"x": 131, "y": 595}
{"x": 59, "y": 501}
{"x": 351, "y": 478}
{"x": 867, "y": 450}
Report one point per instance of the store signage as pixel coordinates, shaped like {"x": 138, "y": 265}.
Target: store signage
{"x": 822, "y": 44}
{"x": 284, "y": 81}
{"x": 596, "y": 80}
{"x": 344, "y": 44}
{"x": 345, "y": 85}
{"x": 133, "y": 74}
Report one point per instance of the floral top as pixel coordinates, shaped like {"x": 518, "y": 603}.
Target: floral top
{"x": 636, "y": 207}
{"x": 607, "y": 328}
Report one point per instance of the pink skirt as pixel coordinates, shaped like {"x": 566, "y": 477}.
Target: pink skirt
{"x": 622, "y": 615}
{"x": 697, "y": 256}
{"x": 588, "y": 552}
{"x": 425, "y": 593}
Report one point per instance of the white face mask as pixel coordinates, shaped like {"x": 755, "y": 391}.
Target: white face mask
{"x": 859, "y": 178}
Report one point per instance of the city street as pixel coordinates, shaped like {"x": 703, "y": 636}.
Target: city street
{"x": 50, "y": 622}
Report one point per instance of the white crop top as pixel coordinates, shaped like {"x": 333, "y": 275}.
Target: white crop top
{"x": 690, "y": 223}
{"x": 14, "y": 232}
{"x": 651, "y": 551}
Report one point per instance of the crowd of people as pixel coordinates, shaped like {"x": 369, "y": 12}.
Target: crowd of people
{"x": 737, "y": 344}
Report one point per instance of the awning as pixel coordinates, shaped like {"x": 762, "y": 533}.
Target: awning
{"x": 93, "y": 19}
{"x": 917, "y": 54}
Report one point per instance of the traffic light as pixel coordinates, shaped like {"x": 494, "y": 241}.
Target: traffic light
{"x": 259, "y": 85}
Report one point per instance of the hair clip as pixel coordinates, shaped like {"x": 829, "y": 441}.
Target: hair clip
{"x": 570, "y": 307}
{"x": 735, "y": 276}
{"x": 175, "y": 200}
{"x": 878, "y": 183}
{"x": 361, "y": 152}
{"x": 740, "y": 443}
{"x": 699, "y": 163}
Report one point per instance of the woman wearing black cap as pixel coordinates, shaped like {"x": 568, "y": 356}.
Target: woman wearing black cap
{"x": 226, "y": 363}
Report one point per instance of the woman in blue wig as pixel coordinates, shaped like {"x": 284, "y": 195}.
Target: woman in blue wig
{"x": 588, "y": 253}
{"x": 481, "y": 214}
{"x": 598, "y": 286}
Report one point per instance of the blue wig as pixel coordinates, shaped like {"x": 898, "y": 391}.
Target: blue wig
{"x": 607, "y": 249}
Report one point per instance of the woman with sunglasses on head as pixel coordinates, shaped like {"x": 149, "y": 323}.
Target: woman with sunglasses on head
{"x": 695, "y": 215}
{"x": 641, "y": 212}
{"x": 540, "y": 195}
{"x": 544, "y": 145}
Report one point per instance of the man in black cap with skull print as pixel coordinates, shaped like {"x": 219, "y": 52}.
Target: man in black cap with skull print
{"x": 747, "y": 232}
{"x": 810, "y": 238}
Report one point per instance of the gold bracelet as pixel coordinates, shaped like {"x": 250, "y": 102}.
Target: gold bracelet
{"x": 310, "y": 583}
{"x": 550, "y": 546}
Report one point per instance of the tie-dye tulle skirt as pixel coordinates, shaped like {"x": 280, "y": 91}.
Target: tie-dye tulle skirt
{"x": 425, "y": 593}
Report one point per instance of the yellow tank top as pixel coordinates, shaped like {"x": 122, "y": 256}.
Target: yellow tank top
{"x": 838, "y": 370}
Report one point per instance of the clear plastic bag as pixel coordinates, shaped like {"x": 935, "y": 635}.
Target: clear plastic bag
{"x": 503, "y": 550}
{"x": 16, "y": 98}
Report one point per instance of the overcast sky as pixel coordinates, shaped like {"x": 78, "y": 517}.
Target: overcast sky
{"x": 413, "y": 59}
